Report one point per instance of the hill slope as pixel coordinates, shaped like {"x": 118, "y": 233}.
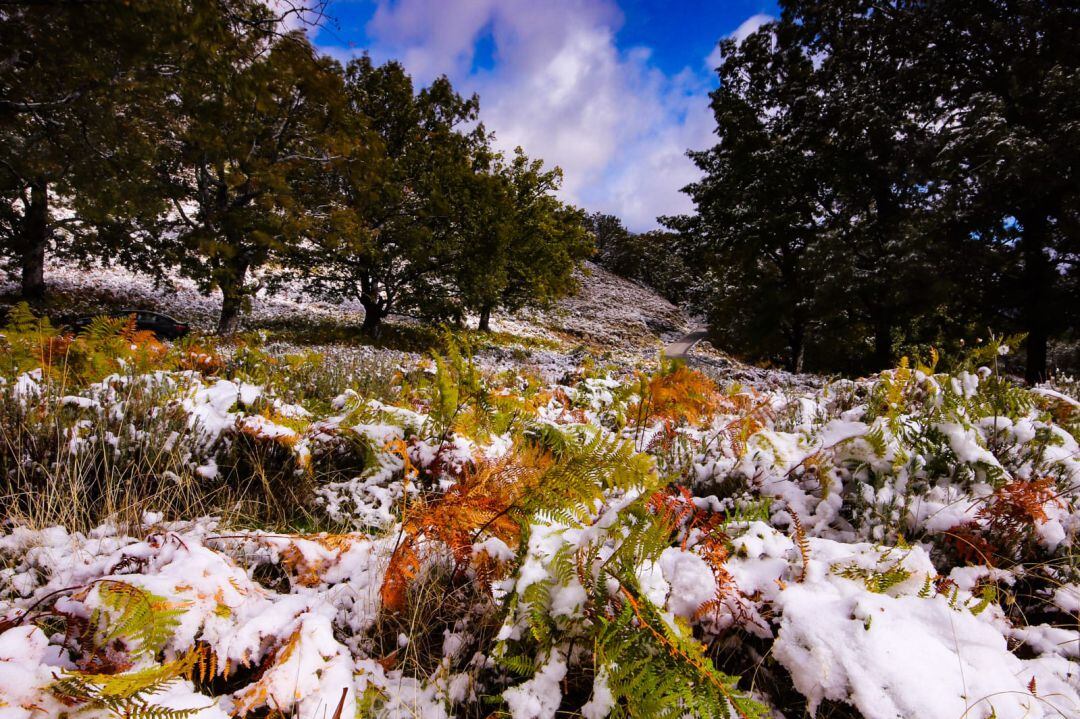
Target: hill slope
{"x": 607, "y": 311}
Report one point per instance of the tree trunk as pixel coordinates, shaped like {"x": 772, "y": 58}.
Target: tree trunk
{"x": 883, "y": 357}
{"x": 373, "y": 316}
{"x": 232, "y": 298}
{"x": 35, "y": 236}
{"x": 1035, "y": 364}
{"x": 796, "y": 349}
{"x": 485, "y": 319}
{"x": 1037, "y": 281}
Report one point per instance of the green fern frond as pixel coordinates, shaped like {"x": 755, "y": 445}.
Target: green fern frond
{"x": 143, "y": 620}
{"x": 655, "y": 669}
{"x": 877, "y": 581}
{"x": 22, "y": 320}
{"x": 127, "y": 695}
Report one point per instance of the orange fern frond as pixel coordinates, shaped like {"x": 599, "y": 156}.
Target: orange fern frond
{"x": 481, "y": 503}
{"x": 683, "y": 395}
{"x": 801, "y": 542}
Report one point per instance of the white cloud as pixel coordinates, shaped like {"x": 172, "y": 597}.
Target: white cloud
{"x": 749, "y": 26}
{"x": 746, "y": 28}
{"x": 563, "y": 90}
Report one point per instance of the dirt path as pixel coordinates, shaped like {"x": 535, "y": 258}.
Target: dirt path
{"x": 680, "y": 348}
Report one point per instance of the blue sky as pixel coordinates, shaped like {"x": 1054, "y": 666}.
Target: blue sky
{"x": 613, "y": 92}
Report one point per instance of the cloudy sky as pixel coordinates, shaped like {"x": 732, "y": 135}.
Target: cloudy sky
{"x": 612, "y": 91}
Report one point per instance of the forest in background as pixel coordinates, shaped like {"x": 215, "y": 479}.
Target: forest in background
{"x": 206, "y": 137}
{"x": 887, "y": 177}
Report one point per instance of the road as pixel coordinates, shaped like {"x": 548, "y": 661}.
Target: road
{"x": 680, "y": 348}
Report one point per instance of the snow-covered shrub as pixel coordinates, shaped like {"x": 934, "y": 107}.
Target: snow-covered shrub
{"x": 898, "y": 546}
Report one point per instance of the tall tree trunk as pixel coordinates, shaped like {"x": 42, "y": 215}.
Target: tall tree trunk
{"x": 796, "y": 349}
{"x": 485, "y": 319}
{"x": 373, "y": 315}
{"x": 35, "y": 236}
{"x": 883, "y": 356}
{"x": 1037, "y": 281}
{"x": 232, "y": 297}
{"x": 1035, "y": 363}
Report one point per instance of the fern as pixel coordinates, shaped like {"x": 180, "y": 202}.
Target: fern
{"x": 801, "y": 542}
{"x": 653, "y": 668}
{"x": 144, "y": 621}
{"x": 656, "y": 669}
{"x": 877, "y": 581}
{"x": 22, "y": 320}
{"x": 986, "y": 598}
{"x": 127, "y": 695}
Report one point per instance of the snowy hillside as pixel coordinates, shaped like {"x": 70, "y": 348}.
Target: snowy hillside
{"x": 607, "y": 312}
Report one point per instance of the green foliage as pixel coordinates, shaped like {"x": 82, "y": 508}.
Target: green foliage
{"x": 585, "y": 467}
{"x": 889, "y": 176}
{"x": 655, "y": 669}
{"x": 758, "y": 510}
{"x": 127, "y": 695}
{"x": 536, "y": 242}
{"x": 254, "y": 131}
{"x": 106, "y": 346}
{"x": 879, "y": 581}
{"x": 22, "y": 320}
{"x": 652, "y": 666}
{"x": 657, "y": 258}
{"x": 457, "y": 383}
{"x": 987, "y": 597}
{"x": 429, "y": 220}
{"x": 83, "y": 123}
{"x": 143, "y": 621}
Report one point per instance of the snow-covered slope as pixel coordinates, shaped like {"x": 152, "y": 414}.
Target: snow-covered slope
{"x": 608, "y": 312}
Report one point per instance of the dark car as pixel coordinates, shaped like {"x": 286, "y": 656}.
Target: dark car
{"x": 163, "y": 326}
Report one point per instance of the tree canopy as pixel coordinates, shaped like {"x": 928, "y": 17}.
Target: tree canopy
{"x": 206, "y": 138}
{"x": 888, "y": 176}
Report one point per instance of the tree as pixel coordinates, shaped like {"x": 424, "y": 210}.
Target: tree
{"x": 395, "y": 231}
{"x": 533, "y": 246}
{"x": 616, "y": 250}
{"x": 761, "y": 201}
{"x": 878, "y": 114}
{"x": 893, "y": 174}
{"x": 258, "y": 126}
{"x": 82, "y": 101}
{"x": 1010, "y": 151}
{"x": 656, "y": 258}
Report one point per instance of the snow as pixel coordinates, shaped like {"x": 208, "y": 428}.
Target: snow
{"x": 691, "y": 581}
{"x": 601, "y": 702}
{"x": 1067, "y": 598}
{"x": 898, "y": 654}
{"x": 948, "y": 638}
{"x": 539, "y": 697}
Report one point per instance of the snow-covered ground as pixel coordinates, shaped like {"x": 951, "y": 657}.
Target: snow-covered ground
{"x": 608, "y": 312}
{"x": 610, "y": 319}
{"x": 902, "y": 547}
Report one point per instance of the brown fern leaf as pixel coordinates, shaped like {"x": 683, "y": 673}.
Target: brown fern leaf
{"x": 1009, "y": 519}
{"x": 481, "y": 503}
{"x": 675, "y": 507}
{"x": 258, "y": 694}
{"x": 801, "y": 542}
{"x": 683, "y": 395}
{"x": 1021, "y": 502}
{"x": 197, "y": 358}
{"x": 51, "y": 351}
